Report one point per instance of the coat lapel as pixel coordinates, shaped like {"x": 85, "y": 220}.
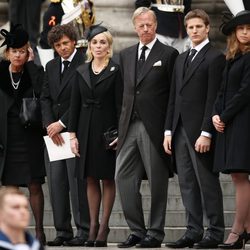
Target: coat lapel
{"x": 55, "y": 75}
{"x": 69, "y": 73}
{"x": 195, "y": 64}
{"x": 153, "y": 57}
{"x": 84, "y": 72}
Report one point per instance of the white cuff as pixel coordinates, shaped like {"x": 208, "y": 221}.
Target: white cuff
{"x": 206, "y": 134}
{"x": 62, "y": 123}
{"x": 167, "y": 132}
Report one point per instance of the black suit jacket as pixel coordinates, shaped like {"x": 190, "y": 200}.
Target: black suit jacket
{"x": 151, "y": 90}
{"x": 193, "y": 94}
{"x": 169, "y": 23}
{"x": 55, "y": 99}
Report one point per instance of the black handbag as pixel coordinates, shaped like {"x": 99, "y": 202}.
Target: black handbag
{"x": 30, "y": 112}
{"x": 110, "y": 135}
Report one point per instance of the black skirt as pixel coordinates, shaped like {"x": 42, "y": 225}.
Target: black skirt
{"x": 18, "y": 170}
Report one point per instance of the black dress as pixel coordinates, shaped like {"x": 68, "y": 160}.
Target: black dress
{"x": 23, "y": 161}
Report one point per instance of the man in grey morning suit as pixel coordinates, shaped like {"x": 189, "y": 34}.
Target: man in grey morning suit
{"x": 196, "y": 80}
{"x": 55, "y": 100}
{"x": 141, "y": 131}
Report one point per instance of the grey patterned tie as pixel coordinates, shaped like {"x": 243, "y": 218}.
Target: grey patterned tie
{"x": 190, "y": 57}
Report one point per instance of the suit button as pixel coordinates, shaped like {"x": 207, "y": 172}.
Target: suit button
{"x": 137, "y": 92}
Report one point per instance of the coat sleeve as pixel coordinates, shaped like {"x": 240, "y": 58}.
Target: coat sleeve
{"x": 171, "y": 102}
{"x": 75, "y": 105}
{"x": 215, "y": 70}
{"x": 171, "y": 63}
{"x": 65, "y": 118}
{"x": 218, "y": 104}
{"x": 46, "y": 102}
{"x": 241, "y": 97}
{"x": 118, "y": 93}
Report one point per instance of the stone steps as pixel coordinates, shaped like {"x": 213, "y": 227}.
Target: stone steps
{"x": 173, "y": 219}
{"x": 175, "y": 214}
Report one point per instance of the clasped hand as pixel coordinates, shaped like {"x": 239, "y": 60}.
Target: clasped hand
{"x": 218, "y": 124}
{"x": 53, "y": 131}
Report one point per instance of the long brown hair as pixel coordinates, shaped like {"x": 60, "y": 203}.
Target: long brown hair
{"x": 234, "y": 46}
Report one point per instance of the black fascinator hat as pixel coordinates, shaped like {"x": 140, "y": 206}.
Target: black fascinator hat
{"x": 243, "y": 17}
{"x": 17, "y": 37}
{"x": 95, "y": 30}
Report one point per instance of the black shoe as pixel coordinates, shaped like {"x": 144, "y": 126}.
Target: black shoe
{"x": 184, "y": 241}
{"x": 58, "y": 241}
{"x": 207, "y": 242}
{"x": 131, "y": 241}
{"x": 41, "y": 237}
{"x": 89, "y": 243}
{"x": 149, "y": 242}
{"x": 100, "y": 243}
{"x": 75, "y": 242}
{"x": 103, "y": 242}
{"x": 246, "y": 236}
{"x": 238, "y": 244}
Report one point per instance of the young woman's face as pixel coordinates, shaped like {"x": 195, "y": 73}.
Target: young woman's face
{"x": 99, "y": 46}
{"x": 243, "y": 34}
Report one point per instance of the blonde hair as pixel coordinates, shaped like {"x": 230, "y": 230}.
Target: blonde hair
{"x": 234, "y": 46}
{"x": 143, "y": 10}
{"x": 4, "y": 191}
{"x": 109, "y": 37}
{"x": 5, "y": 52}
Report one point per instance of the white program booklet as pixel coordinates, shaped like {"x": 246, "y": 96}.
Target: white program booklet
{"x": 57, "y": 153}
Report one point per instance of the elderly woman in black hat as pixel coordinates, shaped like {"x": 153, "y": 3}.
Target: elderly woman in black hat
{"x": 95, "y": 107}
{"x": 21, "y": 148}
{"x": 232, "y": 121}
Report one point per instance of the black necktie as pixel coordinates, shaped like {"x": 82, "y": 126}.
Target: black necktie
{"x": 141, "y": 60}
{"x": 66, "y": 66}
{"x": 190, "y": 57}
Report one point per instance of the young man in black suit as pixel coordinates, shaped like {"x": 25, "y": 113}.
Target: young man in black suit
{"x": 189, "y": 134}
{"x": 55, "y": 101}
{"x": 146, "y": 70}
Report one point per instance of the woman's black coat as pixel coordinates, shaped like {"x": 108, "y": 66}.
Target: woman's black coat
{"x": 32, "y": 78}
{"x": 233, "y": 107}
{"x": 93, "y": 111}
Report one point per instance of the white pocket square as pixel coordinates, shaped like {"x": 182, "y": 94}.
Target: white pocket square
{"x": 158, "y": 63}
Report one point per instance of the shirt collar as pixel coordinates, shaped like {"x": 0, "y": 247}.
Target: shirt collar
{"x": 199, "y": 47}
{"x": 149, "y": 45}
{"x": 70, "y": 58}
